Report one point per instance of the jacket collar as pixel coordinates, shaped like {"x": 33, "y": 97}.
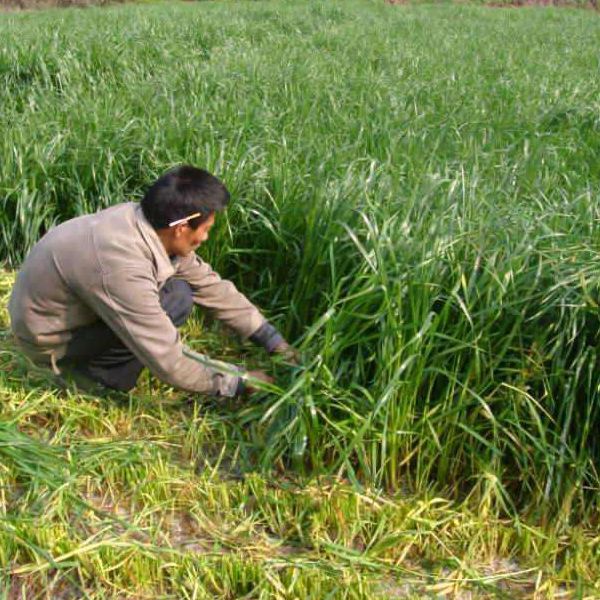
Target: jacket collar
{"x": 164, "y": 267}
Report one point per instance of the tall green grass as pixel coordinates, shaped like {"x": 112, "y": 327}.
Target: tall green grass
{"x": 415, "y": 205}
{"x": 150, "y": 496}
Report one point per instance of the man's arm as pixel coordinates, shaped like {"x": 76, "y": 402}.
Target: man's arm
{"x": 129, "y": 304}
{"x": 227, "y": 304}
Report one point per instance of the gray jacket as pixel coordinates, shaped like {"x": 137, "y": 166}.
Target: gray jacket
{"x": 111, "y": 265}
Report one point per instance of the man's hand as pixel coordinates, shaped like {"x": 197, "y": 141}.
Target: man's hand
{"x": 289, "y": 353}
{"x": 250, "y": 388}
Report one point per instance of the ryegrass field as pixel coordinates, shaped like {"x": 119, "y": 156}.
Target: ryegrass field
{"x": 416, "y": 207}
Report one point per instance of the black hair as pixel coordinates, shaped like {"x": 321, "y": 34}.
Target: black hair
{"x": 181, "y": 192}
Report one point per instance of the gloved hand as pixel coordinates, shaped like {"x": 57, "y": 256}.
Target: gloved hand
{"x": 289, "y": 353}
{"x": 249, "y": 387}
{"x": 273, "y": 342}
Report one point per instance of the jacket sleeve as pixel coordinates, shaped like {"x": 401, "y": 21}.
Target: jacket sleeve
{"x": 220, "y": 296}
{"x": 129, "y": 304}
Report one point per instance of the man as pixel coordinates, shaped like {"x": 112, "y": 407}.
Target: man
{"x": 102, "y": 295}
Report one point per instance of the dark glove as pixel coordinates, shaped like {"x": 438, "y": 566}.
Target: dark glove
{"x": 267, "y": 336}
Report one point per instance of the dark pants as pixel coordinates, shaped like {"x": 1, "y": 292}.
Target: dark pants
{"x": 97, "y": 353}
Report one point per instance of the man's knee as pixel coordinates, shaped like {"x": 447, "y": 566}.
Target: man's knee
{"x": 177, "y": 300}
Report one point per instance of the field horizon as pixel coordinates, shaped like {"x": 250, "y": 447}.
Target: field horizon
{"x": 46, "y": 4}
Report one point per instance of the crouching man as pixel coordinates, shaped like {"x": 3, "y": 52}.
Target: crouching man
{"x": 102, "y": 295}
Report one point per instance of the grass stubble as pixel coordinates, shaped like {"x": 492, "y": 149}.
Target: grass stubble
{"x": 416, "y": 207}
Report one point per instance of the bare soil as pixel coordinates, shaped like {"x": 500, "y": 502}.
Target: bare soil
{"x": 29, "y": 4}
{"x": 590, "y": 4}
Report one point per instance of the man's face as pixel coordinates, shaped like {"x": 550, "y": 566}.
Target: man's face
{"x": 186, "y": 240}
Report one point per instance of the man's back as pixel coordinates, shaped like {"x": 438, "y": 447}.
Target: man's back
{"x": 69, "y": 260}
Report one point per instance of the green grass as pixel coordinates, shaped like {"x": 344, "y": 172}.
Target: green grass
{"x": 415, "y": 205}
{"x": 151, "y": 495}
